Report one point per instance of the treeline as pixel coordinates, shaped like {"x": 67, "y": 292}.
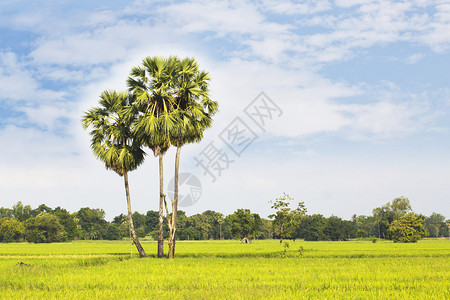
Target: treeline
{"x": 44, "y": 224}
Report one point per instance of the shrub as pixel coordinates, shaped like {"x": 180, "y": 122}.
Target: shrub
{"x": 11, "y": 230}
{"x": 408, "y": 229}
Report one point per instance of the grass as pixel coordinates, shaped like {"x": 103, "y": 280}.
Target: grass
{"x": 228, "y": 270}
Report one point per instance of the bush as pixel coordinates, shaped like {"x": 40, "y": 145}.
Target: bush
{"x": 11, "y": 230}
{"x": 408, "y": 229}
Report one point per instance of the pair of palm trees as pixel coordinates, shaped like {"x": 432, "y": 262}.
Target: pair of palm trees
{"x": 167, "y": 104}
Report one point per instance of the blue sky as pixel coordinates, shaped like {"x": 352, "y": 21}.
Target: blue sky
{"x": 363, "y": 87}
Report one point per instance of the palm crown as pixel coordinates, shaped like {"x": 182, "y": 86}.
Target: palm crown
{"x": 172, "y": 97}
{"x": 112, "y": 139}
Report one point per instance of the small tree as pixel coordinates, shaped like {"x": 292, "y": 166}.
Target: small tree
{"x": 11, "y": 230}
{"x": 408, "y": 229}
{"x": 244, "y": 224}
{"x": 286, "y": 220}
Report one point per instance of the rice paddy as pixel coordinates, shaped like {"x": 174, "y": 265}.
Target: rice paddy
{"x": 227, "y": 270}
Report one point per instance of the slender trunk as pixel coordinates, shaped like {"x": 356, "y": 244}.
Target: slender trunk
{"x": 172, "y": 230}
{"x": 175, "y": 199}
{"x": 130, "y": 219}
{"x": 161, "y": 208}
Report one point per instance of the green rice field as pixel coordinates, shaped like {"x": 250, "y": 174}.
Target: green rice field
{"x": 227, "y": 270}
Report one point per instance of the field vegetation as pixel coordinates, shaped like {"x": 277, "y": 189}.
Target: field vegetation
{"x": 359, "y": 269}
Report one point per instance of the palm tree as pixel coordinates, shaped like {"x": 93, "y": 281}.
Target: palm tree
{"x": 152, "y": 85}
{"x": 196, "y": 110}
{"x": 114, "y": 143}
{"x": 175, "y": 108}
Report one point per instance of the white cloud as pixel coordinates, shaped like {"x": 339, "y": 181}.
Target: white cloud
{"x": 264, "y": 52}
{"x": 17, "y": 82}
{"x": 414, "y": 58}
{"x": 294, "y": 8}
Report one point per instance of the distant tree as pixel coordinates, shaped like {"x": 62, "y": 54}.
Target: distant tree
{"x": 182, "y": 225}
{"x": 44, "y": 228}
{"x": 119, "y": 219}
{"x": 44, "y": 208}
{"x": 21, "y": 212}
{"x": 447, "y": 222}
{"x": 112, "y": 232}
{"x": 11, "y": 230}
{"x": 366, "y": 226}
{"x": 213, "y": 218}
{"x": 151, "y": 223}
{"x": 201, "y": 227}
{"x": 337, "y": 229}
{"x": 92, "y": 222}
{"x": 408, "y": 228}
{"x": 266, "y": 230}
{"x": 244, "y": 224}
{"x": 6, "y": 213}
{"x": 285, "y": 220}
{"x": 139, "y": 224}
{"x": 311, "y": 228}
{"x": 435, "y": 225}
{"x": 122, "y": 224}
{"x": 67, "y": 220}
{"x": 389, "y": 212}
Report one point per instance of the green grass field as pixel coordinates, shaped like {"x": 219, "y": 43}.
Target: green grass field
{"x": 227, "y": 269}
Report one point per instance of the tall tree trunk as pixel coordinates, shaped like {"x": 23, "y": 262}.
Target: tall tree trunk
{"x": 172, "y": 230}
{"x": 161, "y": 208}
{"x": 130, "y": 219}
{"x": 175, "y": 199}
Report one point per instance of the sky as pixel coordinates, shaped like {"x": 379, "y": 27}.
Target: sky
{"x": 344, "y": 105}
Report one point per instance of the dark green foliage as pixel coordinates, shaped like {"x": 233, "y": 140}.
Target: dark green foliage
{"x": 11, "y": 230}
{"x": 337, "y": 229}
{"x": 244, "y": 224}
{"x": 6, "y": 213}
{"x": 44, "y": 228}
{"x": 311, "y": 228}
{"x": 92, "y": 222}
{"x": 21, "y": 212}
{"x": 43, "y": 208}
{"x": 151, "y": 221}
{"x": 113, "y": 232}
{"x": 435, "y": 225}
{"x": 139, "y": 220}
{"x": 67, "y": 220}
{"x": 408, "y": 228}
{"x": 366, "y": 226}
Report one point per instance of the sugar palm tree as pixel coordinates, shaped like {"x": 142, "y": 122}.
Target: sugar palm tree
{"x": 195, "y": 109}
{"x": 152, "y": 84}
{"x": 113, "y": 142}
